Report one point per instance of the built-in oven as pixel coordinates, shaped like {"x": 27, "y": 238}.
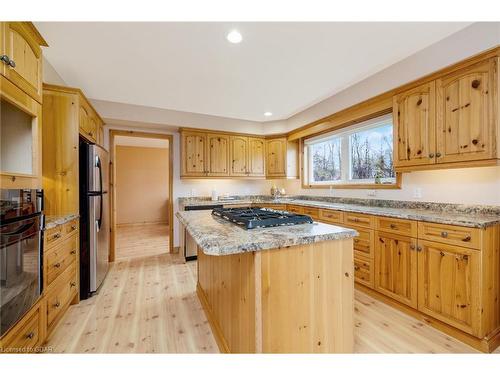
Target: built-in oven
{"x": 21, "y": 224}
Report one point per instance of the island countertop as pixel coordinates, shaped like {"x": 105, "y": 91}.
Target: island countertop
{"x": 216, "y": 236}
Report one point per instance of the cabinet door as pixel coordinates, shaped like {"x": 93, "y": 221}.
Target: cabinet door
{"x": 466, "y": 121}
{"x": 239, "y": 154}
{"x": 84, "y": 121}
{"x": 396, "y": 267}
{"x": 92, "y": 131}
{"x": 414, "y": 126}
{"x": 193, "y": 154}
{"x": 448, "y": 285}
{"x": 256, "y": 157}
{"x": 276, "y": 157}
{"x": 100, "y": 134}
{"x": 25, "y": 70}
{"x": 218, "y": 155}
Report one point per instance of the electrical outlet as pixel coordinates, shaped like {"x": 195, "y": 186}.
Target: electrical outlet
{"x": 417, "y": 193}
{"x": 372, "y": 193}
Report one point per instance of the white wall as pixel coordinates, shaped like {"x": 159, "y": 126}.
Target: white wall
{"x": 50, "y": 75}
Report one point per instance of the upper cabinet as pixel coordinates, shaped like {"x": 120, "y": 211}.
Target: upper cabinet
{"x": 21, "y": 56}
{"x": 281, "y": 158}
{"x": 218, "y": 154}
{"x": 449, "y": 122}
{"x": 414, "y": 113}
{"x": 90, "y": 124}
{"x": 466, "y": 120}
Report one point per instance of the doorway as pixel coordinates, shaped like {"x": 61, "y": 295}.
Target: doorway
{"x": 141, "y": 185}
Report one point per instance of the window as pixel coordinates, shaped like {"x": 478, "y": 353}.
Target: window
{"x": 360, "y": 154}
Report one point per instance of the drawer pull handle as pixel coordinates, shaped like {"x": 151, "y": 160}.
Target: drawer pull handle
{"x": 57, "y": 265}
{"x": 444, "y": 234}
{"x": 73, "y": 252}
{"x": 393, "y": 226}
{"x": 466, "y": 239}
{"x": 72, "y": 284}
{"x": 57, "y": 304}
{"x": 57, "y": 235}
{"x": 30, "y": 335}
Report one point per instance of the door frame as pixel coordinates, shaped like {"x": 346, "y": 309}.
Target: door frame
{"x": 112, "y": 173}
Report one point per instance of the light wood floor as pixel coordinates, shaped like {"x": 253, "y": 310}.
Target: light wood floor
{"x": 149, "y": 305}
{"x": 141, "y": 240}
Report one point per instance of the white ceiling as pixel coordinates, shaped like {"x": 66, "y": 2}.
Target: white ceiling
{"x": 279, "y": 67}
{"x": 122, "y": 140}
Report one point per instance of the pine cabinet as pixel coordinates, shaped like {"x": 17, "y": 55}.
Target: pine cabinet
{"x": 90, "y": 123}
{"x": 218, "y": 155}
{"x": 466, "y": 119}
{"x": 449, "y": 122}
{"x": 449, "y": 284}
{"x": 256, "y": 157}
{"x": 194, "y": 145}
{"x": 396, "y": 267}
{"x": 239, "y": 156}
{"x": 281, "y": 158}
{"x": 414, "y": 114}
{"x": 21, "y": 56}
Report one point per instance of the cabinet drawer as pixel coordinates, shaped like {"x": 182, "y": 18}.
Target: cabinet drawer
{"x": 312, "y": 212}
{"x": 331, "y": 216}
{"x": 296, "y": 209}
{"x": 450, "y": 234}
{"x": 362, "y": 220}
{"x": 53, "y": 236}
{"x": 61, "y": 294}
{"x": 58, "y": 259}
{"x": 397, "y": 226}
{"x": 364, "y": 243}
{"x": 70, "y": 227}
{"x": 27, "y": 333}
{"x": 363, "y": 271}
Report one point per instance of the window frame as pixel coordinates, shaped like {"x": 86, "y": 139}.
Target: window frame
{"x": 344, "y": 132}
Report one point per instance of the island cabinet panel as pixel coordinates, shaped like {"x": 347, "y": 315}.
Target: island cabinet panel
{"x": 414, "y": 114}
{"x": 218, "y": 155}
{"x": 226, "y": 287}
{"x": 194, "y": 145}
{"x": 466, "y": 120}
{"x": 256, "y": 157}
{"x": 239, "y": 156}
{"x": 307, "y": 298}
{"x": 396, "y": 267}
{"x": 449, "y": 285}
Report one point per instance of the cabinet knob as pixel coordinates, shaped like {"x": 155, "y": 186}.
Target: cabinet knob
{"x": 73, "y": 227}
{"x": 431, "y": 155}
{"x": 12, "y": 63}
{"x": 467, "y": 239}
{"x": 393, "y": 226}
{"x": 57, "y": 265}
{"x": 57, "y": 304}
{"x": 73, "y": 252}
{"x": 57, "y": 235}
{"x": 356, "y": 268}
{"x": 30, "y": 335}
{"x": 412, "y": 247}
{"x": 444, "y": 234}
{"x": 5, "y": 59}
{"x": 419, "y": 248}
{"x": 438, "y": 154}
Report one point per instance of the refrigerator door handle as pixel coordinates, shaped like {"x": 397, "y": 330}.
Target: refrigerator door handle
{"x": 99, "y": 168}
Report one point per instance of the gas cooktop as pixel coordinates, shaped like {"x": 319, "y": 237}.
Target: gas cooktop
{"x": 257, "y": 217}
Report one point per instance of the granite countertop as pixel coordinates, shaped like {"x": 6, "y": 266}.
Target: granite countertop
{"x": 443, "y": 213}
{"x": 52, "y": 221}
{"x": 216, "y": 236}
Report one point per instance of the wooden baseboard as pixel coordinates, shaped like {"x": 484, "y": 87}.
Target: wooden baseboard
{"x": 486, "y": 345}
{"x": 216, "y": 329}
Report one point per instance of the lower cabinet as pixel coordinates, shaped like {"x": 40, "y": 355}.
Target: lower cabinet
{"x": 363, "y": 270}
{"x": 396, "y": 267}
{"x": 448, "y": 284}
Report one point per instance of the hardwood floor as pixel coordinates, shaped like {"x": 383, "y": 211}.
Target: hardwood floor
{"x": 141, "y": 240}
{"x": 149, "y": 305}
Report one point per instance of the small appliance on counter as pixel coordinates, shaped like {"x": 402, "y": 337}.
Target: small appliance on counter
{"x": 21, "y": 253}
{"x": 256, "y": 217}
{"x": 94, "y": 217}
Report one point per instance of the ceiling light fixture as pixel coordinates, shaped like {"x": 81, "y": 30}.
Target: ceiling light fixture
{"x": 234, "y": 36}
{"x": 268, "y": 114}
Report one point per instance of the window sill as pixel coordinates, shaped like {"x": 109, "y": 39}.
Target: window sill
{"x": 373, "y": 186}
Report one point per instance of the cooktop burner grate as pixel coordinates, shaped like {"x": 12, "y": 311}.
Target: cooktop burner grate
{"x": 257, "y": 217}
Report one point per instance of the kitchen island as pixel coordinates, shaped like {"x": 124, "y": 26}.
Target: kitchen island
{"x": 286, "y": 289}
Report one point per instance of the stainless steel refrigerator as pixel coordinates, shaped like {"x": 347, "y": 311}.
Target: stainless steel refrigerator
{"x": 94, "y": 217}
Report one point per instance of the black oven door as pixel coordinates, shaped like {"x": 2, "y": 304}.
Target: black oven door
{"x": 20, "y": 268}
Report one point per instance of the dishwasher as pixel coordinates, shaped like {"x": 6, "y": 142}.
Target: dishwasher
{"x": 190, "y": 247}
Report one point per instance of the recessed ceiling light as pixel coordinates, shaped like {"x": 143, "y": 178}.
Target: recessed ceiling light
{"x": 267, "y": 114}
{"x": 234, "y": 36}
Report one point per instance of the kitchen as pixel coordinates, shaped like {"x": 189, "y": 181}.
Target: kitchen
{"x": 360, "y": 214}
